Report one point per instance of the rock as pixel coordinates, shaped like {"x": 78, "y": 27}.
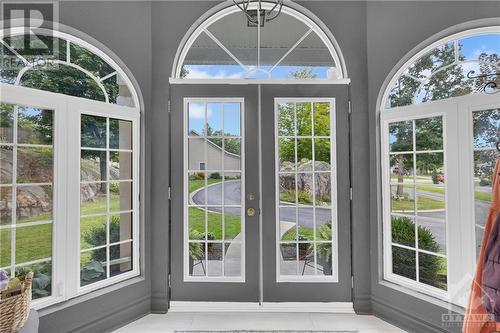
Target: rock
{"x": 322, "y": 184}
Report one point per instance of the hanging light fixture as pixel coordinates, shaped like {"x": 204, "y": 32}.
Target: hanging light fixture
{"x": 259, "y": 15}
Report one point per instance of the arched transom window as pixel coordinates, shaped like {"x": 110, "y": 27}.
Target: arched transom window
{"x": 56, "y": 62}
{"x": 440, "y": 121}
{"x": 452, "y": 68}
{"x": 227, "y": 45}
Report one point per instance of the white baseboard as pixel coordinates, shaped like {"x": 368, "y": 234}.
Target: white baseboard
{"x": 306, "y": 307}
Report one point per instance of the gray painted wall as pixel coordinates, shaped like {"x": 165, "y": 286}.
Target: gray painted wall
{"x": 145, "y": 35}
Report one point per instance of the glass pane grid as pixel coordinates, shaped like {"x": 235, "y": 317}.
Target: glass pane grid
{"x": 106, "y": 212}
{"x": 418, "y": 201}
{"x": 214, "y": 169}
{"x": 26, "y": 190}
{"x": 305, "y": 184}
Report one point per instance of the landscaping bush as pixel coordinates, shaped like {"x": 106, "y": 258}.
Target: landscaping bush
{"x": 485, "y": 182}
{"x": 432, "y": 268}
{"x": 96, "y": 236}
{"x": 215, "y": 175}
{"x": 199, "y": 176}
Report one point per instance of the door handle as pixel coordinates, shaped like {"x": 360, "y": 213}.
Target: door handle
{"x": 251, "y": 211}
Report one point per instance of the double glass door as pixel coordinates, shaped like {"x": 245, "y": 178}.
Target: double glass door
{"x": 260, "y": 193}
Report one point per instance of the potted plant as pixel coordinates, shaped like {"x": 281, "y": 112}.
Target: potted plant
{"x": 324, "y": 250}
{"x": 196, "y": 250}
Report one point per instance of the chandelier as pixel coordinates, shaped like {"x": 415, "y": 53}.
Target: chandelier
{"x": 259, "y": 15}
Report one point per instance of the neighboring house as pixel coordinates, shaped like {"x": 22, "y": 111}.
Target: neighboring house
{"x": 213, "y": 159}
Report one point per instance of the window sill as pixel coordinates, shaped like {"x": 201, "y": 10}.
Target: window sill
{"x": 424, "y": 297}
{"x": 58, "y": 304}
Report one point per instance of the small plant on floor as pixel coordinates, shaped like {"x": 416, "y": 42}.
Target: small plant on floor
{"x": 324, "y": 250}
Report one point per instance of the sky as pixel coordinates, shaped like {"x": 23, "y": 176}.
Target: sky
{"x": 215, "y": 113}
{"x": 472, "y": 47}
{"x": 237, "y": 72}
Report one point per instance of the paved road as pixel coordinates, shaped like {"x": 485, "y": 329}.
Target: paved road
{"x": 437, "y": 228}
{"x": 232, "y": 194}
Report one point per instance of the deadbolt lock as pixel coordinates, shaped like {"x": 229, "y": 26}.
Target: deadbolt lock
{"x": 251, "y": 212}
{"x": 251, "y": 196}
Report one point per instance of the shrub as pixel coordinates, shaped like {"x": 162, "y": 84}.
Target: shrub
{"x": 96, "y": 236}
{"x": 199, "y": 176}
{"x": 484, "y": 182}
{"x": 215, "y": 175}
{"x": 404, "y": 261}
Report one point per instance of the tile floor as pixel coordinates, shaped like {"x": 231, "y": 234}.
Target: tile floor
{"x": 165, "y": 323}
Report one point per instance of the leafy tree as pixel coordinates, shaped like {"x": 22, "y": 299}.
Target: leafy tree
{"x": 443, "y": 83}
{"x": 184, "y": 72}
{"x": 93, "y": 134}
{"x": 302, "y": 119}
{"x": 402, "y": 134}
{"x": 303, "y": 73}
{"x": 230, "y": 145}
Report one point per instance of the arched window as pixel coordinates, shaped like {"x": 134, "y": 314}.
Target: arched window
{"x": 440, "y": 120}
{"x": 451, "y": 68}
{"x": 69, "y": 165}
{"x": 228, "y": 46}
{"x": 59, "y": 63}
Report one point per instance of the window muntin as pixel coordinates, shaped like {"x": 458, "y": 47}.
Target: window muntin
{"x": 306, "y": 216}
{"x": 445, "y": 71}
{"x": 26, "y": 193}
{"x": 418, "y": 200}
{"x": 213, "y": 217}
{"x": 86, "y": 74}
{"x": 259, "y": 52}
{"x": 106, "y": 198}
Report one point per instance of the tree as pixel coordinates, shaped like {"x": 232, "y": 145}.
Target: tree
{"x": 232, "y": 146}
{"x": 402, "y": 134}
{"x": 303, "y": 73}
{"x": 93, "y": 134}
{"x": 443, "y": 83}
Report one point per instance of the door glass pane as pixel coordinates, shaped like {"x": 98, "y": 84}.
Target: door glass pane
{"x": 418, "y": 200}
{"x": 214, "y": 183}
{"x": 305, "y": 172}
{"x": 26, "y": 193}
{"x": 486, "y": 130}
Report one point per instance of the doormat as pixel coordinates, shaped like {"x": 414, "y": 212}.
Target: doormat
{"x": 266, "y": 331}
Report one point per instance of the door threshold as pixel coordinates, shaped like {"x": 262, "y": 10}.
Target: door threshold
{"x": 304, "y": 307}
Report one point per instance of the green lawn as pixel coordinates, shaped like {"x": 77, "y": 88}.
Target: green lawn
{"x": 33, "y": 243}
{"x": 479, "y": 195}
{"x": 214, "y": 226}
{"x": 195, "y": 184}
{"x": 483, "y": 196}
{"x": 424, "y": 203}
{"x": 307, "y": 233}
{"x": 197, "y": 216}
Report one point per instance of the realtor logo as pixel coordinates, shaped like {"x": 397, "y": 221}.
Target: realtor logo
{"x": 30, "y": 16}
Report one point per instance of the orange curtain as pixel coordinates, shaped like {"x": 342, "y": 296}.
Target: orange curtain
{"x": 476, "y": 318}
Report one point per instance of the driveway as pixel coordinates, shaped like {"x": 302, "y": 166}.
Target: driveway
{"x": 232, "y": 195}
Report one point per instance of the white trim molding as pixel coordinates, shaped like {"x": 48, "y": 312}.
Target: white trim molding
{"x": 297, "y": 307}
